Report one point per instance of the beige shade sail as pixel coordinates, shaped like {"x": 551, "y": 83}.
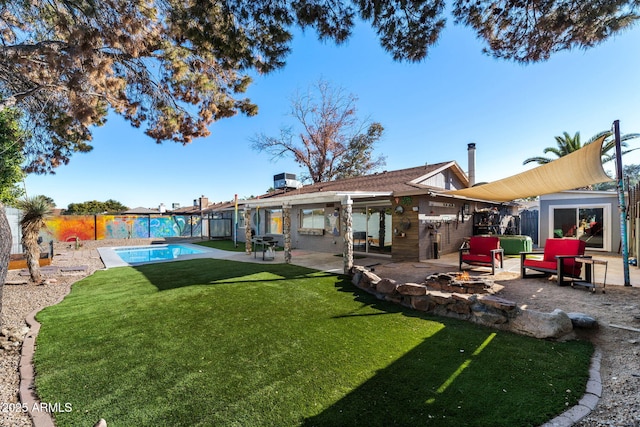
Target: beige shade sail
{"x": 576, "y": 170}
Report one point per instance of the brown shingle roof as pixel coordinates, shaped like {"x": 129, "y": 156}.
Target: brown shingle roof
{"x": 395, "y": 181}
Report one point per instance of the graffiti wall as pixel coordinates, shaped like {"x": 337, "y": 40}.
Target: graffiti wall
{"x": 99, "y": 227}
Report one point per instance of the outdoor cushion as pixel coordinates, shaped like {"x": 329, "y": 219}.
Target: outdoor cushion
{"x": 482, "y": 250}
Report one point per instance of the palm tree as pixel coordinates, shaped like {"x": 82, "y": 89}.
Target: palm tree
{"x": 34, "y": 210}
{"x": 567, "y": 144}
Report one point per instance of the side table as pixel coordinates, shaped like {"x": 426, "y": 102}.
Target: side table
{"x": 589, "y": 274}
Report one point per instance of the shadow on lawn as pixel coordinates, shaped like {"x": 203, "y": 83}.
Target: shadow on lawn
{"x": 173, "y": 275}
{"x": 416, "y": 389}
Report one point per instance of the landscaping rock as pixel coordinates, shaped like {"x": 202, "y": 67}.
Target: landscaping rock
{"x": 497, "y": 302}
{"x": 542, "y": 325}
{"x": 422, "y": 303}
{"x": 370, "y": 279}
{"x": 441, "y": 298}
{"x": 386, "y": 286}
{"x": 584, "y": 321}
{"x": 411, "y": 289}
{"x": 357, "y": 276}
{"x": 485, "y": 316}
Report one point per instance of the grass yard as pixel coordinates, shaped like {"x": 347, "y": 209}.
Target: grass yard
{"x": 225, "y": 245}
{"x": 222, "y": 343}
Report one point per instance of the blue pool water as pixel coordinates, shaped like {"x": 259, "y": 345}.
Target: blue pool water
{"x": 155, "y": 253}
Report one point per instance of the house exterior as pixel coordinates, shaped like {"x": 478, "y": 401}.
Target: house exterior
{"x": 402, "y": 214}
{"x": 588, "y": 215}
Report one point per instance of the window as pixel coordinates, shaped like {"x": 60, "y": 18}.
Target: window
{"x": 312, "y": 218}
{"x": 240, "y": 219}
{"x": 273, "y": 221}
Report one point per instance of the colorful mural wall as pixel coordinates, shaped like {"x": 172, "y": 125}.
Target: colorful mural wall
{"x": 99, "y": 227}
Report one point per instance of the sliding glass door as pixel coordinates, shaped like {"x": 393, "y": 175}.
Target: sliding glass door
{"x": 586, "y": 223}
{"x": 372, "y": 229}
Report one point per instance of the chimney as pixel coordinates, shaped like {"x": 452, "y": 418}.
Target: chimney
{"x": 204, "y": 202}
{"x": 471, "y": 149}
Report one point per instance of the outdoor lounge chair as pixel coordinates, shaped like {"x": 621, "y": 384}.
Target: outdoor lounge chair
{"x": 558, "y": 258}
{"x": 484, "y": 251}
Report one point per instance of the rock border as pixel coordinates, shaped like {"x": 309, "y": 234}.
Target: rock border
{"x": 484, "y": 309}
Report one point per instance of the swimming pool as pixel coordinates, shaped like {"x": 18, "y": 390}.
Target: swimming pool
{"x": 141, "y": 254}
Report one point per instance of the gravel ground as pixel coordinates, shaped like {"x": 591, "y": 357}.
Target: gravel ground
{"x": 620, "y": 368}
{"x": 21, "y": 299}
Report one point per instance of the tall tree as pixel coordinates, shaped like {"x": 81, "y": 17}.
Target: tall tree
{"x": 34, "y": 210}
{"x": 567, "y": 144}
{"x": 331, "y": 141}
{"x": 175, "y": 67}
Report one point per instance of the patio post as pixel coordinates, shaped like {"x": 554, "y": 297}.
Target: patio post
{"x": 247, "y": 230}
{"x": 347, "y": 254}
{"x": 286, "y": 228}
{"x": 621, "y": 204}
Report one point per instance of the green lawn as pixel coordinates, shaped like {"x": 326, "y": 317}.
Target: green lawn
{"x": 225, "y": 245}
{"x": 228, "y": 245}
{"x": 222, "y": 343}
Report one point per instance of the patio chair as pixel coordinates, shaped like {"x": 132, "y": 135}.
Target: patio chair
{"x": 559, "y": 258}
{"x": 483, "y": 251}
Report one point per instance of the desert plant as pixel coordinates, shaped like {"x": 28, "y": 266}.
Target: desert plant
{"x": 34, "y": 210}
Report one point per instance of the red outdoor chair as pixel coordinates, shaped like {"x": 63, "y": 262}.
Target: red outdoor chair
{"x": 484, "y": 251}
{"x": 558, "y": 258}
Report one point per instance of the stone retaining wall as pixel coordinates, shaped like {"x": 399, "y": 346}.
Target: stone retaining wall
{"x": 488, "y": 310}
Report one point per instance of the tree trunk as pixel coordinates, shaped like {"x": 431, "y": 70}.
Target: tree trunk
{"x": 5, "y": 251}
{"x": 32, "y": 250}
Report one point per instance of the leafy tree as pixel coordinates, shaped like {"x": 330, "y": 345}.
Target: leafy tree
{"x": 11, "y": 158}
{"x": 332, "y": 142}
{"x": 530, "y": 31}
{"x": 34, "y": 210}
{"x": 567, "y": 144}
{"x": 11, "y": 138}
{"x": 95, "y": 207}
{"x": 630, "y": 172}
{"x": 175, "y": 67}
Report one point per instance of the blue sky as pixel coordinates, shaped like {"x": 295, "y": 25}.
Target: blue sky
{"x": 430, "y": 112}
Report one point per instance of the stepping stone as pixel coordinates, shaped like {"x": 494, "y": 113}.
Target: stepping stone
{"x": 43, "y": 270}
{"x": 16, "y": 282}
{"x": 74, "y": 268}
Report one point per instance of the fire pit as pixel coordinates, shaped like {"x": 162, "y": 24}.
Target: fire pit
{"x": 461, "y": 283}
